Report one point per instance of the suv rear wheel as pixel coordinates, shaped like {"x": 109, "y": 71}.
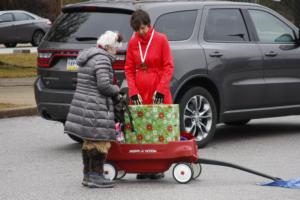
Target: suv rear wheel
{"x": 76, "y": 139}
{"x": 73, "y": 137}
{"x": 198, "y": 114}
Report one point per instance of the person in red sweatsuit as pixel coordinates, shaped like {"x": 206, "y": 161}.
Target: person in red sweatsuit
{"x": 149, "y": 67}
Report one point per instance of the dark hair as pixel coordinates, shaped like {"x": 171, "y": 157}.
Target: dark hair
{"x": 139, "y": 18}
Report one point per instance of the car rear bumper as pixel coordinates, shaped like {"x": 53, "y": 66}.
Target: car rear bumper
{"x": 52, "y": 104}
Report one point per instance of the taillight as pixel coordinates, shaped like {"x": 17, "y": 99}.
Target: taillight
{"x": 119, "y": 63}
{"x": 115, "y": 80}
{"x": 44, "y": 59}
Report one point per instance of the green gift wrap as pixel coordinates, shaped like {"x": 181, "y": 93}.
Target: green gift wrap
{"x": 153, "y": 124}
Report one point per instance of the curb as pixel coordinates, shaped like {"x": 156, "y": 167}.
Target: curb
{"x": 18, "y": 112}
{"x": 13, "y": 82}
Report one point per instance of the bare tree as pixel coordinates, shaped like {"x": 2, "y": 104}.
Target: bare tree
{"x": 296, "y": 11}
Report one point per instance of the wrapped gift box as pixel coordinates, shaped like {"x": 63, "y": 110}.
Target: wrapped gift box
{"x": 153, "y": 124}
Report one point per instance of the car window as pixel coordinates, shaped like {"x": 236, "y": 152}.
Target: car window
{"x": 177, "y": 25}
{"x": 86, "y": 27}
{"x": 270, "y": 29}
{"x": 225, "y": 25}
{"x": 7, "y": 17}
{"x": 22, "y": 17}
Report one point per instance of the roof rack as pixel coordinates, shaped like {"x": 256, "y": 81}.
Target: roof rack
{"x": 146, "y": 1}
{"x": 141, "y": 1}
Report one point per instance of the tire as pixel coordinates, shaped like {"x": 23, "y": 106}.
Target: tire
{"x": 197, "y": 168}
{"x": 76, "y": 139}
{"x": 183, "y": 173}
{"x": 238, "y": 123}
{"x": 110, "y": 171}
{"x": 120, "y": 175}
{"x": 10, "y": 45}
{"x": 37, "y": 38}
{"x": 202, "y": 123}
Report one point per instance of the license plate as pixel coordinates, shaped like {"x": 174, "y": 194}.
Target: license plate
{"x": 72, "y": 65}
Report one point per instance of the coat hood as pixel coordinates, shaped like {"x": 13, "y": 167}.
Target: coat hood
{"x": 86, "y": 54}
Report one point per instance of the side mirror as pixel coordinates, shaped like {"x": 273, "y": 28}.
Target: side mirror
{"x": 285, "y": 38}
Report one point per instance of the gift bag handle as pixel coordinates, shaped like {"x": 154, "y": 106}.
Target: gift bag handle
{"x": 128, "y": 112}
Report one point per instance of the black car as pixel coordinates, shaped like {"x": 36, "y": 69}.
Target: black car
{"x": 17, "y": 26}
{"x": 233, "y": 61}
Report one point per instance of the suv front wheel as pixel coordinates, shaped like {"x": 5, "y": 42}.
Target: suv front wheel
{"x": 198, "y": 114}
{"x": 76, "y": 139}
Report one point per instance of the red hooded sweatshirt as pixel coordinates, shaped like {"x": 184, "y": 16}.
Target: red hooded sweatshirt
{"x": 159, "y": 70}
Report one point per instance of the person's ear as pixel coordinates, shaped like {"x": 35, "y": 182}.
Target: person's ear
{"x": 107, "y": 47}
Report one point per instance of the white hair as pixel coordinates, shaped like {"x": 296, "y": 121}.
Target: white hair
{"x": 109, "y": 39}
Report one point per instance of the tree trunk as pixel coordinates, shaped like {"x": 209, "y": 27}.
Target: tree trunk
{"x": 296, "y": 11}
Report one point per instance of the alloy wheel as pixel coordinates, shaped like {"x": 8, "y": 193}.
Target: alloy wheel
{"x": 197, "y": 116}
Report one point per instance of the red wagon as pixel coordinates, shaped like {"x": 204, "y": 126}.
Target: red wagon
{"x": 154, "y": 158}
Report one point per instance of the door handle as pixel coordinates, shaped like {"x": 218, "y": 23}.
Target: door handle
{"x": 271, "y": 54}
{"x": 216, "y": 54}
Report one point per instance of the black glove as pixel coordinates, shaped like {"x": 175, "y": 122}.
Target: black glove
{"x": 116, "y": 99}
{"x": 136, "y": 99}
{"x": 158, "y": 98}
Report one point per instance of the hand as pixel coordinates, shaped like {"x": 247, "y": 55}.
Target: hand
{"x": 158, "y": 98}
{"x": 136, "y": 99}
{"x": 117, "y": 98}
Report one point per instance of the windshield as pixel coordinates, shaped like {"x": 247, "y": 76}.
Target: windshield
{"x": 86, "y": 27}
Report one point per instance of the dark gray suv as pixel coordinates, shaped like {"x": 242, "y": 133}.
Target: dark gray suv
{"x": 233, "y": 61}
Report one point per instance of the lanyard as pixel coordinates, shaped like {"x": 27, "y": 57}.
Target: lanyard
{"x": 143, "y": 57}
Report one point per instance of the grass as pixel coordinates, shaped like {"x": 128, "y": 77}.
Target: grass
{"x": 17, "y": 65}
{"x": 9, "y": 105}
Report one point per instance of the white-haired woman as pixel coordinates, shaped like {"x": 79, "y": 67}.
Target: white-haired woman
{"x": 91, "y": 114}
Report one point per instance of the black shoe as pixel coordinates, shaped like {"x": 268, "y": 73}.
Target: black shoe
{"x": 99, "y": 181}
{"x": 157, "y": 176}
{"x": 142, "y": 176}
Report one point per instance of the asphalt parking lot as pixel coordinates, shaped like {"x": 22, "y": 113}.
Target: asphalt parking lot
{"x": 39, "y": 162}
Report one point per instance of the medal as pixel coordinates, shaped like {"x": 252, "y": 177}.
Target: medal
{"x": 144, "y": 66}
{"x": 143, "y": 57}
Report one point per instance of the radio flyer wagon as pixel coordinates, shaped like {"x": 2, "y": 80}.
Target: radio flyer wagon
{"x": 154, "y": 158}
{"x": 125, "y": 158}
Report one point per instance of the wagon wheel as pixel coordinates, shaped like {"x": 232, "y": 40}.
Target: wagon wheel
{"x": 110, "y": 171}
{"x": 120, "y": 174}
{"x": 183, "y": 173}
{"x": 197, "y": 168}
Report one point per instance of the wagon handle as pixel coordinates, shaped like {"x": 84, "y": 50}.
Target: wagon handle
{"x": 226, "y": 164}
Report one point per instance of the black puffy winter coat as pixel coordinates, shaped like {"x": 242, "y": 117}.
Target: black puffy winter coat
{"x": 91, "y": 114}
